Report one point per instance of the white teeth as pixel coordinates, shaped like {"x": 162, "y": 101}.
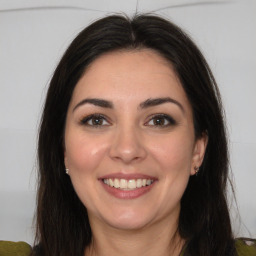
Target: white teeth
{"x": 139, "y": 183}
{"x": 111, "y": 183}
{"x": 106, "y": 181}
{"x": 116, "y": 183}
{"x": 123, "y": 183}
{"x": 127, "y": 184}
{"x": 131, "y": 184}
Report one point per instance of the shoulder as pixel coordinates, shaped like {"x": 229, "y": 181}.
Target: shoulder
{"x": 8, "y": 248}
{"x": 245, "y": 247}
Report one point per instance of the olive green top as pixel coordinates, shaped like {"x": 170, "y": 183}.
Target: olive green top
{"x": 14, "y": 248}
{"x": 244, "y": 247}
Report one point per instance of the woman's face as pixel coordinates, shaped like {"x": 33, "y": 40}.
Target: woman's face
{"x": 129, "y": 140}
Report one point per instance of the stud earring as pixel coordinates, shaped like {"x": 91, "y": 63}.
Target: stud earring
{"x": 196, "y": 170}
{"x": 67, "y": 171}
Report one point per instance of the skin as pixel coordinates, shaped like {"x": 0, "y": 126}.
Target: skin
{"x": 129, "y": 141}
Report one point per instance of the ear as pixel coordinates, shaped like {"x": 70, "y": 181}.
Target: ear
{"x": 65, "y": 161}
{"x": 65, "y": 154}
{"x": 65, "y": 158}
{"x": 198, "y": 153}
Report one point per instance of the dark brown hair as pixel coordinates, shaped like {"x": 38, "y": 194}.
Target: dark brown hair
{"x": 62, "y": 223}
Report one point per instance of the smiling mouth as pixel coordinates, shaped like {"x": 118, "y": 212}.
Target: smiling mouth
{"x": 130, "y": 184}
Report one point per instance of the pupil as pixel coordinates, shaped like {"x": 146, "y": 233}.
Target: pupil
{"x": 159, "y": 121}
{"x": 97, "y": 121}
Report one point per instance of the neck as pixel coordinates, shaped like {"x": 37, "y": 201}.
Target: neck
{"x": 161, "y": 239}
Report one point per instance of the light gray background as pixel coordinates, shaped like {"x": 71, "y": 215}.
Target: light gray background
{"x": 33, "y": 36}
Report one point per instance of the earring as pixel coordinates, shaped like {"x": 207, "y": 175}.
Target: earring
{"x": 67, "y": 171}
{"x": 196, "y": 170}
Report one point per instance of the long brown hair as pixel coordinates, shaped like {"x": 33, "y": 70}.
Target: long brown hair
{"x": 62, "y": 223}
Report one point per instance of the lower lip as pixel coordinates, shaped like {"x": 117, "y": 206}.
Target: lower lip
{"x": 127, "y": 194}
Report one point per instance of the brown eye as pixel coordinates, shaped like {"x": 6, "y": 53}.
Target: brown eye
{"x": 95, "y": 120}
{"x": 162, "y": 120}
{"x": 159, "y": 121}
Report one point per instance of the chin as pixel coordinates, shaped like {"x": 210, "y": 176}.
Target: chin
{"x": 128, "y": 220}
{"x": 128, "y": 224}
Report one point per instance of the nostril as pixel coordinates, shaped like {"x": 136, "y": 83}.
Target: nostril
{"x": 127, "y": 145}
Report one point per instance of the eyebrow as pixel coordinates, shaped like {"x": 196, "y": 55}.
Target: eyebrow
{"x": 145, "y": 104}
{"x": 97, "y": 102}
{"x": 158, "y": 101}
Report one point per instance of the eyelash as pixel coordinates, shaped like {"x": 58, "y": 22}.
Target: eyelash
{"x": 87, "y": 119}
{"x": 166, "y": 118}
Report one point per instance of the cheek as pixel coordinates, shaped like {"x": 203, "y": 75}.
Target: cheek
{"x": 173, "y": 156}
{"x": 83, "y": 154}
{"x": 175, "y": 152}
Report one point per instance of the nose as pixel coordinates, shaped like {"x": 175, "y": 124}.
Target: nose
{"x": 127, "y": 145}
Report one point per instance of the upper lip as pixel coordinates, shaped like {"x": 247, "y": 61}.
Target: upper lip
{"x": 129, "y": 176}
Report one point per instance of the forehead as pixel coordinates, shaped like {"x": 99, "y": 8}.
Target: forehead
{"x": 130, "y": 75}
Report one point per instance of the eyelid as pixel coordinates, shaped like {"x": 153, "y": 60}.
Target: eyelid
{"x": 171, "y": 120}
{"x": 86, "y": 119}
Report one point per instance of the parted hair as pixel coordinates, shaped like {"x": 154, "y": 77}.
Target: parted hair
{"x": 62, "y": 225}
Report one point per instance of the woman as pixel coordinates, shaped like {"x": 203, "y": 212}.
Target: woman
{"x": 133, "y": 155}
